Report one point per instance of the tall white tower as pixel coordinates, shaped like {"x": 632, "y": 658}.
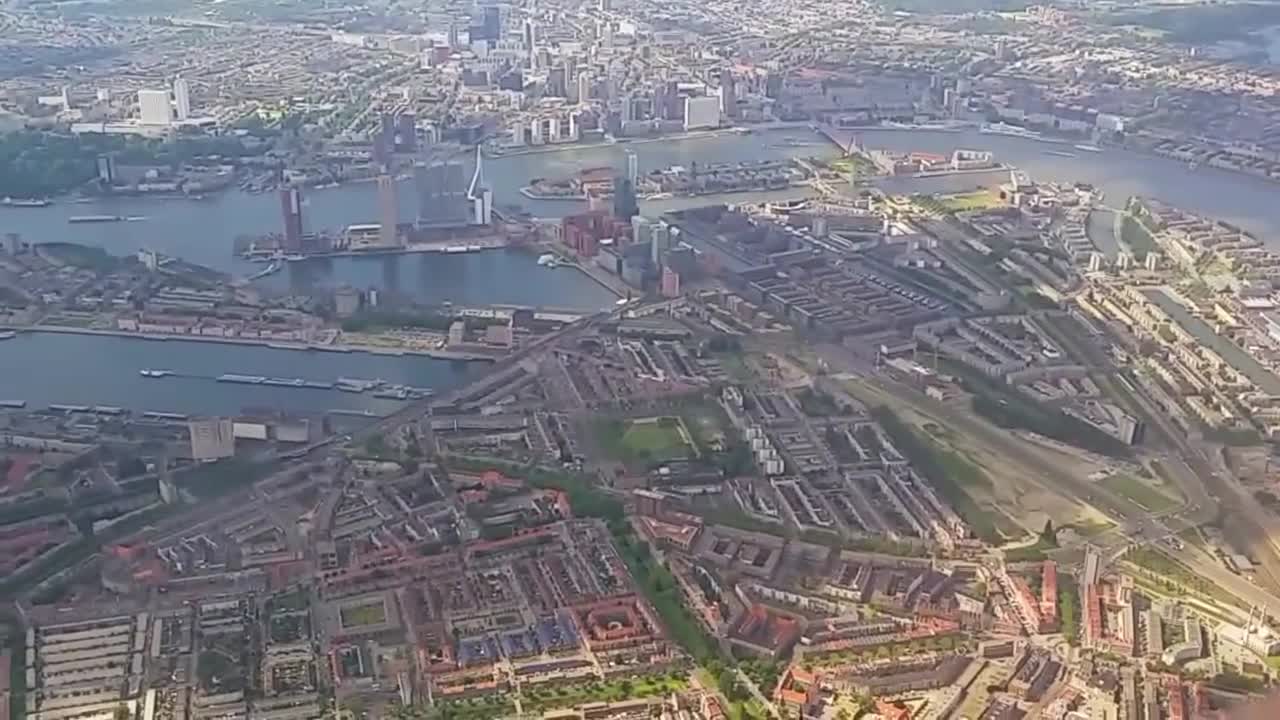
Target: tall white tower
{"x": 182, "y": 98}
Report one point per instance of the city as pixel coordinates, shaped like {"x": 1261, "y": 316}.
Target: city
{"x": 617, "y": 359}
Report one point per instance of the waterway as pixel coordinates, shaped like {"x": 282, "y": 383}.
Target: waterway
{"x": 93, "y": 370}
{"x": 59, "y": 368}
{"x": 1227, "y": 350}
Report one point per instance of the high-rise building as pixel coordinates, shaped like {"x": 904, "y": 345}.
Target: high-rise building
{"x": 701, "y": 113}
{"x": 212, "y": 439}
{"x": 182, "y": 98}
{"x": 557, "y": 82}
{"x": 624, "y": 200}
{"x": 633, "y": 167}
{"x": 406, "y": 133}
{"x": 492, "y": 24}
{"x": 107, "y": 169}
{"x": 584, "y": 87}
{"x": 154, "y": 107}
{"x": 603, "y": 5}
{"x": 291, "y": 211}
{"x": 530, "y": 38}
{"x": 442, "y": 194}
{"x": 728, "y": 94}
{"x": 388, "y": 212}
{"x": 670, "y": 283}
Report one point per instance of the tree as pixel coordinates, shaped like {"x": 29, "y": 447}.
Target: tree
{"x": 1047, "y": 535}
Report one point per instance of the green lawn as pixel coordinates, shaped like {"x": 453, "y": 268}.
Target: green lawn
{"x": 1140, "y": 492}
{"x": 359, "y": 615}
{"x": 647, "y": 440}
{"x": 980, "y": 200}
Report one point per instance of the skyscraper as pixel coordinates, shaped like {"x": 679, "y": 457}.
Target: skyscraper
{"x": 624, "y": 199}
{"x": 291, "y": 210}
{"x": 182, "y": 98}
{"x": 633, "y": 167}
{"x": 442, "y": 194}
{"x": 584, "y": 87}
{"x": 154, "y": 107}
{"x": 388, "y": 212}
{"x": 406, "y": 133}
{"x": 728, "y": 94}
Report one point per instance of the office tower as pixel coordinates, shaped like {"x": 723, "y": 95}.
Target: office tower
{"x": 557, "y": 83}
{"x": 659, "y": 241}
{"x": 584, "y": 88}
{"x": 728, "y": 94}
{"x": 154, "y": 107}
{"x": 442, "y": 189}
{"x": 530, "y": 38}
{"x": 479, "y": 194}
{"x": 388, "y": 212}
{"x": 603, "y": 6}
{"x": 291, "y": 211}
{"x": 455, "y": 40}
{"x": 624, "y": 199}
{"x": 701, "y": 113}
{"x": 406, "y": 133}
{"x": 492, "y": 26}
{"x": 633, "y": 167}
{"x": 107, "y": 169}
{"x": 182, "y": 98}
{"x": 628, "y": 109}
{"x": 212, "y": 439}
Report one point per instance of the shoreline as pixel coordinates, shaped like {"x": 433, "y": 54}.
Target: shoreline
{"x": 272, "y": 344}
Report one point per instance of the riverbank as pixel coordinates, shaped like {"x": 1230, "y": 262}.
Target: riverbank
{"x": 273, "y": 344}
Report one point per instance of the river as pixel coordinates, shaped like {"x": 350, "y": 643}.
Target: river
{"x": 58, "y": 368}
{"x": 94, "y": 370}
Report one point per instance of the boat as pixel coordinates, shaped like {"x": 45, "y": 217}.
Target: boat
{"x": 355, "y": 413}
{"x": 1192, "y": 164}
{"x": 15, "y": 404}
{"x": 1059, "y": 153}
{"x": 548, "y": 260}
{"x": 155, "y": 415}
{"x": 392, "y": 394}
{"x": 136, "y": 218}
{"x": 344, "y": 387}
{"x": 27, "y": 202}
{"x": 69, "y": 408}
{"x": 1089, "y": 148}
{"x": 106, "y": 410}
{"x": 1001, "y": 128}
{"x": 8, "y": 335}
{"x": 246, "y": 379}
{"x": 155, "y": 373}
{"x": 284, "y": 382}
{"x": 317, "y": 385}
{"x": 76, "y": 219}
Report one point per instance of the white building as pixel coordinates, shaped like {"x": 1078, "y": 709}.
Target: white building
{"x": 211, "y": 439}
{"x": 701, "y": 113}
{"x": 182, "y": 98}
{"x": 154, "y": 107}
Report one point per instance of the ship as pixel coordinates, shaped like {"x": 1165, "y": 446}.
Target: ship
{"x": 246, "y": 379}
{"x": 1059, "y": 153}
{"x": 1089, "y": 148}
{"x": 26, "y": 202}
{"x": 76, "y": 219}
{"x": 397, "y": 393}
{"x": 7, "y": 334}
{"x": 14, "y": 404}
{"x": 548, "y": 260}
{"x": 1001, "y": 128}
{"x": 155, "y": 373}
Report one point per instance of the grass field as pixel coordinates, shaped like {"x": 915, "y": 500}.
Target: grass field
{"x": 979, "y": 200}
{"x": 1140, "y": 492}
{"x": 360, "y": 615}
{"x": 660, "y": 438}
